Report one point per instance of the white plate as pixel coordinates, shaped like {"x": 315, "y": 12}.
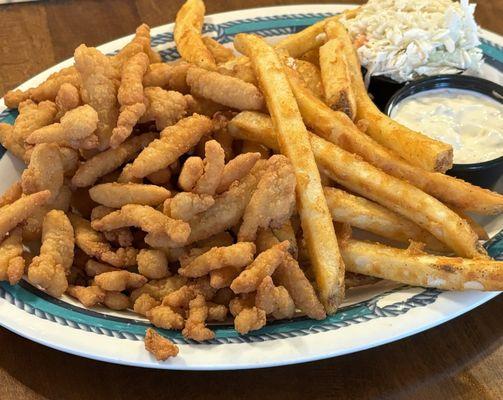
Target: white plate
{"x": 371, "y": 315}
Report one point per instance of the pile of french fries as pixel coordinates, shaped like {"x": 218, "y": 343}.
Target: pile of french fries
{"x": 223, "y": 183}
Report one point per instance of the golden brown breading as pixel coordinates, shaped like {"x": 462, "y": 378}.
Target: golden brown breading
{"x": 195, "y": 328}
{"x": 93, "y": 268}
{"x": 152, "y": 263}
{"x": 216, "y": 312}
{"x": 214, "y": 162}
{"x": 165, "y": 317}
{"x": 175, "y": 140}
{"x": 180, "y": 298}
{"x": 118, "y": 281}
{"x": 94, "y": 244}
{"x": 249, "y": 319}
{"x": 223, "y": 89}
{"x": 274, "y": 300}
{"x": 223, "y": 277}
{"x": 129, "y": 115}
{"x": 170, "y": 75}
{"x": 74, "y": 130}
{"x": 160, "y": 347}
{"x": 159, "y": 288}
{"x": 164, "y": 107}
{"x": 186, "y": 205}
{"x": 237, "y": 255}
{"x": 220, "y": 52}
{"x": 131, "y": 86}
{"x": 67, "y": 99}
{"x": 89, "y": 296}
{"x": 263, "y": 265}
{"x": 123, "y": 236}
{"x": 145, "y": 303}
{"x": 236, "y": 169}
{"x": 49, "y": 269}
{"x": 161, "y": 177}
{"x": 142, "y": 36}
{"x": 99, "y": 89}
{"x": 192, "y": 170}
{"x": 116, "y": 195}
{"x": 11, "y": 257}
{"x": 109, "y": 160}
{"x": 160, "y": 228}
{"x": 8, "y": 140}
{"x": 240, "y": 302}
{"x": 116, "y": 300}
{"x": 13, "y": 193}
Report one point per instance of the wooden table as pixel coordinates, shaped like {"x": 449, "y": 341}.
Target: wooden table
{"x": 461, "y": 359}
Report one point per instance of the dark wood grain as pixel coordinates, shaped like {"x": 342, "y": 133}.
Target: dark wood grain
{"x": 462, "y": 359}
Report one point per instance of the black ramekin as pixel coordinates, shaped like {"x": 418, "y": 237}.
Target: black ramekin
{"x": 486, "y": 173}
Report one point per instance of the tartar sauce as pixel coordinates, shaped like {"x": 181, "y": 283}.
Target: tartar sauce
{"x": 471, "y": 122}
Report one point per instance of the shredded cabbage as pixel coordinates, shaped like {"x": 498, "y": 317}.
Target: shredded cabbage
{"x": 407, "y": 39}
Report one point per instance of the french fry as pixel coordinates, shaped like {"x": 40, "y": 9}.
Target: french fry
{"x": 416, "y": 148}
{"x": 188, "y": 26}
{"x": 311, "y": 76}
{"x": 371, "y": 217}
{"x": 450, "y": 273}
{"x": 360, "y": 177}
{"x": 338, "y": 128}
{"x": 336, "y": 78}
{"x": 294, "y": 143}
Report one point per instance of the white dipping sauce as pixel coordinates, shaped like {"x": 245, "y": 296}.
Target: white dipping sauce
{"x": 471, "y": 122}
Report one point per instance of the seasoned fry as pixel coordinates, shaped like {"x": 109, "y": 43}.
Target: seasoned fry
{"x": 311, "y": 76}
{"x": 237, "y": 255}
{"x": 11, "y": 257}
{"x": 167, "y": 76}
{"x": 116, "y": 195}
{"x": 175, "y": 140}
{"x": 214, "y": 162}
{"x": 118, "y": 281}
{"x": 273, "y": 201}
{"x": 75, "y": 130}
{"x": 416, "y": 148}
{"x": 294, "y": 143}
{"x": 107, "y": 161}
{"x": 152, "y": 264}
{"x": 192, "y": 170}
{"x": 369, "y": 216}
{"x": 49, "y": 269}
{"x": 189, "y": 43}
{"x": 422, "y": 269}
{"x": 336, "y": 78}
{"x": 160, "y": 347}
{"x": 185, "y": 206}
{"x": 99, "y": 89}
{"x": 195, "y": 324}
{"x": 236, "y": 169}
{"x": 165, "y": 107}
{"x": 227, "y": 90}
{"x": 219, "y": 52}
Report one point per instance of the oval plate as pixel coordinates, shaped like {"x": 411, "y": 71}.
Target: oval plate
{"x": 371, "y": 315}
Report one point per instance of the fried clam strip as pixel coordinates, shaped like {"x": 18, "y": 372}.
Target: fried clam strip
{"x": 228, "y": 208}
{"x": 369, "y": 216}
{"x": 214, "y": 162}
{"x": 236, "y": 169}
{"x": 264, "y": 265}
{"x": 170, "y": 75}
{"x": 159, "y": 346}
{"x": 362, "y": 178}
{"x": 189, "y": 43}
{"x": 161, "y": 230}
{"x": 130, "y": 97}
{"x": 19, "y": 210}
{"x": 273, "y": 201}
{"x": 289, "y": 275}
{"x": 13, "y": 192}
{"x": 174, "y": 141}
{"x": 123, "y": 236}
{"x": 74, "y": 130}
{"x": 294, "y": 141}
{"x": 416, "y": 148}
{"x": 94, "y": 244}
{"x": 185, "y": 205}
{"x": 118, "y": 281}
{"x": 152, "y": 263}
{"x": 11, "y": 257}
{"x": 109, "y": 160}
{"x": 274, "y": 300}
{"x": 337, "y": 128}
{"x": 227, "y": 90}
{"x": 220, "y": 53}
{"x": 116, "y": 195}
{"x": 195, "y": 327}
{"x": 49, "y": 269}
{"x": 165, "y": 107}
{"x": 336, "y": 78}
{"x": 192, "y": 170}
{"x": 448, "y": 273}
{"x": 45, "y": 171}
{"x": 89, "y": 296}
{"x": 142, "y": 37}
{"x": 67, "y": 99}
{"x": 99, "y": 89}
{"x": 47, "y": 90}
{"x": 237, "y": 256}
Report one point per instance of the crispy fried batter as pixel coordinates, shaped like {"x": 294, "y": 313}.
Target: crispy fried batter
{"x": 214, "y": 162}
{"x": 165, "y": 107}
{"x": 131, "y": 88}
{"x": 249, "y": 319}
{"x": 195, "y": 324}
{"x": 93, "y": 244}
{"x": 237, "y": 255}
{"x": 167, "y": 76}
{"x": 109, "y": 160}
{"x": 116, "y": 301}
{"x": 165, "y": 317}
{"x": 67, "y": 99}
{"x": 122, "y": 236}
{"x": 8, "y": 140}
{"x": 152, "y": 264}
{"x": 175, "y": 140}
{"x": 159, "y": 288}
{"x": 50, "y": 268}
{"x": 93, "y": 268}
{"x": 239, "y": 303}
{"x": 185, "y": 205}
{"x": 192, "y": 170}
{"x": 145, "y": 303}
{"x": 161, "y": 177}
{"x": 274, "y": 300}
{"x": 13, "y": 193}
{"x": 160, "y": 347}
{"x": 119, "y": 280}
{"x": 236, "y": 169}
{"x": 216, "y": 312}
{"x": 180, "y": 298}
{"x": 129, "y": 115}
{"x": 116, "y": 195}
{"x": 11, "y": 257}
{"x": 89, "y": 296}
{"x": 264, "y": 265}
{"x": 220, "y": 53}
{"x": 273, "y": 202}
{"x": 223, "y": 277}
{"x": 142, "y": 36}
